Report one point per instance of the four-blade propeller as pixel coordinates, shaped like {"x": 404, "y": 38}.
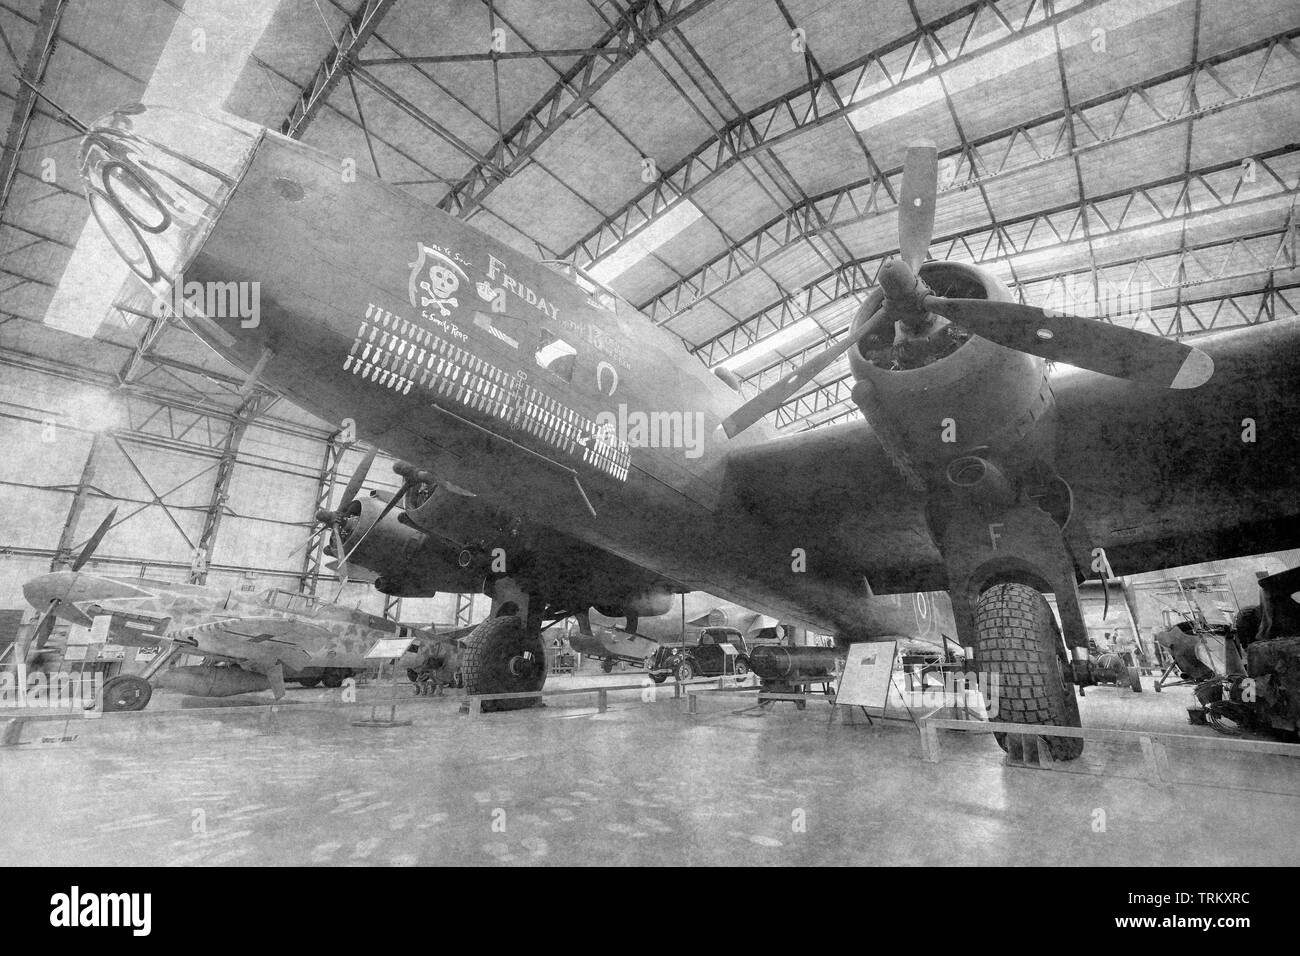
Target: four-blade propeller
{"x": 1085, "y": 343}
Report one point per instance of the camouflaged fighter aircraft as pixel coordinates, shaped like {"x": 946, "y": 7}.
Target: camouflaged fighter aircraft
{"x": 252, "y": 641}
{"x": 561, "y": 452}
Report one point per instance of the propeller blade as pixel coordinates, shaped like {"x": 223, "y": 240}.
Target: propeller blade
{"x": 342, "y": 565}
{"x": 916, "y": 203}
{"x": 357, "y": 479}
{"x": 389, "y": 506}
{"x": 772, "y": 398}
{"x": 1086, "y": 343}
{"x": 94, "y": 541}
{"x": 311, "y": 540}
{"x": 38, "y": 634}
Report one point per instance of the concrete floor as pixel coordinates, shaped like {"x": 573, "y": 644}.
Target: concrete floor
{"x": 644, "y": 783}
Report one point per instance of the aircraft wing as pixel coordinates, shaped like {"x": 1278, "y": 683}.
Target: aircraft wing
{"x": 264, "y": 641}
{"x": 1160, "y": 477}
{"x": 1164, "y": 477}
{"x": 835, "y": 493}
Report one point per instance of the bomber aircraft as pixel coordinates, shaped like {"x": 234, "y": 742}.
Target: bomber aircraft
{"x": 557, "y": 450}
{"x": 250, "y": 642}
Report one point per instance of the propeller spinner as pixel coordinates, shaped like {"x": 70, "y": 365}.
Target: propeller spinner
{"x": 40, "y": 633}
{"x": 1086, "y": 343}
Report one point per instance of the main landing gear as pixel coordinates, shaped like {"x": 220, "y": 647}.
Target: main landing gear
{"x": 1000, "y": 561}
{"x": 504, "y": 654}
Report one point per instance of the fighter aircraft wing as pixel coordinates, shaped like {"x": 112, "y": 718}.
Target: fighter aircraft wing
{"x": 264, "y": 641}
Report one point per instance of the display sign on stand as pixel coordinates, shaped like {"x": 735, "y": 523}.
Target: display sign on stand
{"x": 386, "y": 649}
{"x": 729, "y": 655}
{"x": 868, "y": 671}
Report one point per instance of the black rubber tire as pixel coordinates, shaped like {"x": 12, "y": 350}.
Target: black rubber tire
{"x": 685, "y": 671}
{"x": 486, "y": 664}
{"x": 308, "y": 681}
{"x": 607, "y": 665}
{"x": 1019, "y": 640}
{"x": 334, "y": 676}
{"x": 658, "y": 678}
{"x": 1135, "y": 679}
{"x": 126, "y": 693}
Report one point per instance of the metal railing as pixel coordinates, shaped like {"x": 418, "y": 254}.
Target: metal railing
{"x": 1155, "y": 745}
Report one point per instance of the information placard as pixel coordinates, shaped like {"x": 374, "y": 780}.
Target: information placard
{"x": 868, "y": 670}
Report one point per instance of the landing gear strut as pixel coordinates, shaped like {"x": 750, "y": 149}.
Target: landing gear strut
{"x": 999, "y": 561}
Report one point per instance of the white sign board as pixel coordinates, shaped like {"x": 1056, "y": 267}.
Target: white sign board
{"x": 389, "y": 648}
{"x": 868, "y": 671}
{"x": 729, "y": 649}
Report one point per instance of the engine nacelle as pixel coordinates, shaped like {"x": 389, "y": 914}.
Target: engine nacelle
{"x": 947, "y": 394}
{"x": 648, "y": 602}
{"x": 408, "y": 561}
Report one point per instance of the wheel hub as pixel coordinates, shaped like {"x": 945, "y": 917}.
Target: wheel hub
{"x": 523, "y": 666}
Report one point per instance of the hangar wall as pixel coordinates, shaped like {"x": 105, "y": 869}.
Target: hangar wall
{"x": 183, "y": 485}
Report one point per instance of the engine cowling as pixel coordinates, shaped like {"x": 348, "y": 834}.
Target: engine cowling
{"x": 646, "y": 602}
{"x": 408, "y": 561}
{"x": 945, "y": 394}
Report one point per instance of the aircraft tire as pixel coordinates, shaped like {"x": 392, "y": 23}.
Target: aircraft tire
{"x": 607, "y": 665}
{"x": 658, "y": 678}
{"x": 494, "y": 663}
{"x": 334, "y": 676}
{"x": 1019, "y": 640}
{"x": 308, "y": 681}
{"x": 126, "y": 693}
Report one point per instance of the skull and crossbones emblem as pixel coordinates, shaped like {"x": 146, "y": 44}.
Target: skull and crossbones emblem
{"x": 441, "y": 287}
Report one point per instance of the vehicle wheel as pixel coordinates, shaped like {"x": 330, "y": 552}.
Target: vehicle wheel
{"x": 658, "y": 678}
{"x": 685, "y": 671}
{"x": 308, "y": 681}
{"x": 1228, "y": 717}
{"x": 334, "y": 676}
{"x": 126, "y": 693}
{"x": 1019, "y": 640}
{"x": 502, "y": 658}
{"x": 1135, "y": 679}
{"x": 607, "y": 665}
{"x": 742, "y": 666}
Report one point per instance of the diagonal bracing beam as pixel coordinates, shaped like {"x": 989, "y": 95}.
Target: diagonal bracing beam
{"x": 38, "y": 58}
{"x": 643, "y": 22}
{"x": 353, "y": 37}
